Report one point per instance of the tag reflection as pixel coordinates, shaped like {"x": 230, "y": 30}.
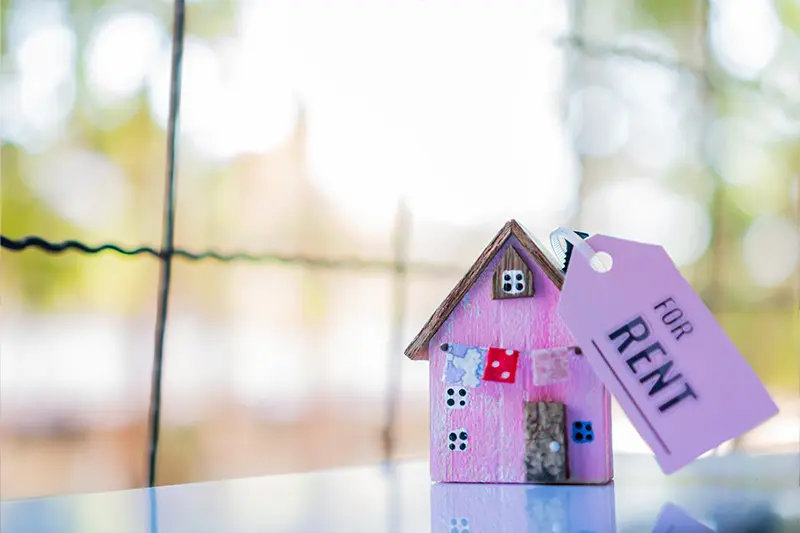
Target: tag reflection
{"x": 674, "y": 519}
{"x": 477, "y": 508}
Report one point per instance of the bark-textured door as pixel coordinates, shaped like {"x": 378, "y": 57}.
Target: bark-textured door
{"x": 545, "y": 443}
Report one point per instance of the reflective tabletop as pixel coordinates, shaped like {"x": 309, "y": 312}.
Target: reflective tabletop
{"x": 724, "y": 494}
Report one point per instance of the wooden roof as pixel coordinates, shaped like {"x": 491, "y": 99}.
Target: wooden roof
{"x": 418, "y": 349}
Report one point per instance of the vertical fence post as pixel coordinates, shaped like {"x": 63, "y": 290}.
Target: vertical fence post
{"x": 715, "y": 293}
{"x": 168, "y": 237}
{"x": 400, "y": 238}
{"x": 574, "y": 78}
{"x": 714, "y": 297}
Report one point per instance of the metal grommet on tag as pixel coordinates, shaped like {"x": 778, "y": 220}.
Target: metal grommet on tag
{"x": 600, "y": 261}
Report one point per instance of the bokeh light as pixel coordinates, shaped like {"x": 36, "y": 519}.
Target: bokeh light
{"x": 770, "y": 250}
{"x": 745, "y": 35}
{"x": 84, "y": 187}
{"x": 404, "y": 127}
{"x": 40, "y": 93}
{"x": 599, "y": 121}
{"x": 642, "y": 82}
{"x": 229, "y": 107}
{"x": 737, "y": 147}
{"x": 121, "y": 51}
{"x": 643, "y": 210}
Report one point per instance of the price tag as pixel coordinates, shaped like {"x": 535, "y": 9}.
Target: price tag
{"x": 659, "y": 350}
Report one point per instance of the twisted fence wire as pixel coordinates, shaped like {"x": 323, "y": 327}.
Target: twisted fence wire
{"x": 330, "y": 263}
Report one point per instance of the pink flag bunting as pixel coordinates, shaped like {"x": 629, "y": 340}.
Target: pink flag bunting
{"x": 551, "y": 366}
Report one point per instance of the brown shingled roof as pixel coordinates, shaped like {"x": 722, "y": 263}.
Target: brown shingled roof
{"x": 418, "y": 349}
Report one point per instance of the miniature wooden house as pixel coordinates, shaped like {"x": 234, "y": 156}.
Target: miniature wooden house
{"x": 512, "y": 400}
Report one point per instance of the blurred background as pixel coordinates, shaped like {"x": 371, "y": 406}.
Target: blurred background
{"x": 402, "y": 134}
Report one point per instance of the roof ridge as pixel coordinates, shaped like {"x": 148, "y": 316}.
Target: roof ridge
{"x": 417, "y": 349}
{"x": 541, "y": 253}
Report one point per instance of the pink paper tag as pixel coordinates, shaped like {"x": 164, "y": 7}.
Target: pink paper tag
{"x": 660, "y": 352}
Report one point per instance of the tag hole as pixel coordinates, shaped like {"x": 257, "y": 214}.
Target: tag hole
{"x": 601, "y": 262}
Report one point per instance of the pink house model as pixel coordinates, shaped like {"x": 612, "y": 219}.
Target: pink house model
{"x": 512, "y": 399}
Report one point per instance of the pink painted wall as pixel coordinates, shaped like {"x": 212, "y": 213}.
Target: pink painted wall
{"x": 494, "y": 414}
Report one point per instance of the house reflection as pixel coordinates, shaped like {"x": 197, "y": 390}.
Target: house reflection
{"x": 490, "y": 508}
{"x": 478, "y": 508}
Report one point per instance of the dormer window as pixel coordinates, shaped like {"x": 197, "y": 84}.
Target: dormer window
{"x": 512, "y": 277}
{"x": 513, "y": 281}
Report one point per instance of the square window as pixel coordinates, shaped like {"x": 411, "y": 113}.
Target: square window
{"x": 513, "y": 281}
{"x": 512, "y": 278}
{"x": 458, "y": 440}
{"x": 582, "y": 432}
{"x": 456, "y": 397}
{"x": 459, "y": 525}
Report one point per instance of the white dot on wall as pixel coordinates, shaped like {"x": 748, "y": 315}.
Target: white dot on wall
{"x": 505, "y": 375}
{"x": 554, "y": 446}
{"x": 495, "y": 364}
{"x": 770, "y": 249}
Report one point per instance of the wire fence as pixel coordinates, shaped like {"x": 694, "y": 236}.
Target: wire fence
{"x": 327, "y": 263}
{"x": 399, "y": 265}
